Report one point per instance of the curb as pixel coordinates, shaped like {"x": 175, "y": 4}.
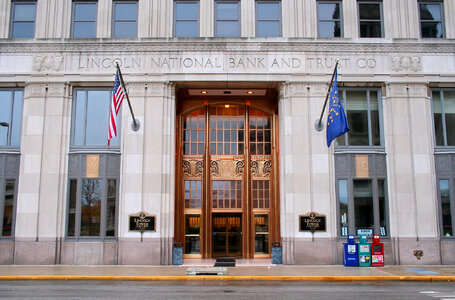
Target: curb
{"x": 230, "y": 278}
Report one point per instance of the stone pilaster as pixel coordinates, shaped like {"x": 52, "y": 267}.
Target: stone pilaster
{"x": 42, "y": 184}
{"x": 5, "y": 18}
{"x": 409, "y": 147}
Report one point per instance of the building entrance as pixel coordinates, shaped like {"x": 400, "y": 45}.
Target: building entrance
{"x": 226, "y": 187}
{"x": 227, "y": 235}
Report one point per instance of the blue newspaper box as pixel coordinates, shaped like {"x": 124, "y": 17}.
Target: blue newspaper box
{"x": 351, "y": 253}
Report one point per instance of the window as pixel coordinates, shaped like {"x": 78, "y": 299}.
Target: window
{"x": 268, "y": 18}
{"x": 431, "y": 25}
{"x": 362, "y": 197}
{"x": 84, "y": 19}
{"x": 7, "y": 206}
{"x": 444, "y": 116}
{"x": 227, "y": 16}
{"x": 23, "y": 19}
{"x": 363, "y": 111}
{"x": 10, "y": 117}
{"x": 92, "y": 196}
{"x": 186, "y": 19}
{"x": 90, "y": 121}
{"x": 329, "y": 19}
{"x": 446, "y": 207}
{"x": 370, "y": 19}
{"x": 125, "y": 19}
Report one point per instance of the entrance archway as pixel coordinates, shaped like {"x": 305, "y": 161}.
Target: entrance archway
{"x": 226, "y": 175}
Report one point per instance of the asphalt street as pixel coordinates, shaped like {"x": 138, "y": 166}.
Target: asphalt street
{"x": 224, "y": 290}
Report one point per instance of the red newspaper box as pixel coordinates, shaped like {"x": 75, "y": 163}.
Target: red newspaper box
{"x": 377, "y": 252}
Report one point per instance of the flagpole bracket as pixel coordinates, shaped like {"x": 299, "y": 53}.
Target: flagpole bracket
{"x": 135, "y": 125}
{"x": 318, "y": 125}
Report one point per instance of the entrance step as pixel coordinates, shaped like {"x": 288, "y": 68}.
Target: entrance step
{"x": 225, "y": 262}
{"x": 206, "y": 271}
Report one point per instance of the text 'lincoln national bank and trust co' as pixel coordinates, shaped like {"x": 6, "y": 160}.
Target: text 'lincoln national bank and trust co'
{"x": 225, "y": 63}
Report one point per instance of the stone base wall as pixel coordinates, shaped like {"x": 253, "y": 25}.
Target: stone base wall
{"x": 317, "y": 252}
{"x": 6, "y": 253}
{"x": 35, "y": 252}
{"x": 448, "y": 252}
{"x": 431, "y": 251}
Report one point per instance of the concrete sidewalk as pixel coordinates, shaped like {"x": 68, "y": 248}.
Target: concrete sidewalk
{"x": 240, "y": 272}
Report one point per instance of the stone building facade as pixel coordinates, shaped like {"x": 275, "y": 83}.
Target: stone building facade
{"x": 254, "y": 74}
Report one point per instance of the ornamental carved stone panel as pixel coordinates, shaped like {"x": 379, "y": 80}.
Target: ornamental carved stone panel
{"x": 261, "y": 166}
{"x": 227, "y": 168}
{"x": 193, "y": 167}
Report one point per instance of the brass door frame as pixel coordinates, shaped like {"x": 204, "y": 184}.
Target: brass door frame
{"x": 247, "y": 211}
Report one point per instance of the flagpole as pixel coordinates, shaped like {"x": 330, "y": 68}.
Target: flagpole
{"x": 318, "y": 123}
{"x": 135, "y": 126}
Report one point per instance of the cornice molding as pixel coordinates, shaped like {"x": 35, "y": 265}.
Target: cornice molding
{"x": 58, "y": 48}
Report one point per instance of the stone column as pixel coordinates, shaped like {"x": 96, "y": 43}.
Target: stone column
{"x": 148, "y": 173}
{"x": 5, "y": 18}
{"x": 286, "y": 197}
{"x": 207, "y": 18}
{"x": 403, "y": 19}
{"x": 50, "y": 18}
{"x": 449, "y": 18}
{"x": 248, "y": 18}
{"x": 350, "y": 19}
{"x": 42, "y": 182}
{"x": 411, "y": 176}
{"x": 104, "y": 19}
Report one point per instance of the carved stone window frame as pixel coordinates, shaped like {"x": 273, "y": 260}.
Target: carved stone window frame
{"x": 445, "y": 170}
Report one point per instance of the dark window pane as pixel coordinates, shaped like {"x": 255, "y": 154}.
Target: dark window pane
{"x": 91, "y": 207}
{"x": 430, "y": 12}
{"x": 186, "y": 11}
{"x": 72, "y": 207}
{"x": 343, "y": 199}
{"x": 268, "y": 11}
{"x": 16, "y": 122}
{"x": 329, "y": 29}
{"x": 370, "y": 29}
{"x": 125, "y": 11}
{"x": 382, "y": 209}
{"x": 268, "y": 29}
{"x": 369, "y": 11}
{"x": 24, "y": 12}
{"x": 374, "y": 115}
{"x": 125, "y": 29}
{"x": 98, "y": 118}
{"x": 357, "y": 115}
{"x": 432, "y": 30}
{"x": 23, "y": 30}
{"x": 85, "y": 11}
{"x": 186, "y": 29}
{"x": 227, "y": 10}
{"x": 8, "y": 208}
{"x": 5, "y": 115}
{"x": 328, "y": 11}
{"x": 437, "y": 110}
{"x": 84, "y": 29}
{"x": 445, "y": 208}
{"x": 449, "y": 113}
{"x": 110, "y": 207}
{"x": 363, "y": 204}
{"x": 227, "y": 29}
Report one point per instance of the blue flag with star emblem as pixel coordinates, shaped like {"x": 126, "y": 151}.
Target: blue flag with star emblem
{"x": 337, "y": 123}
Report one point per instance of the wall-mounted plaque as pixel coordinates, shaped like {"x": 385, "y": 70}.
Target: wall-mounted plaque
{"x": 142, "y": 222}
{"x": 362, "y": 169}
{"x": 92, "y": 168}
{"x": 312, "y": 221}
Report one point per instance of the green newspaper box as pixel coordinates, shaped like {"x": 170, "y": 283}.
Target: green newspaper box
{"x": 364, "y": 252}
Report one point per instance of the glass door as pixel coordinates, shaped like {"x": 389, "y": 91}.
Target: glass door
{"x": 227, "y": 235}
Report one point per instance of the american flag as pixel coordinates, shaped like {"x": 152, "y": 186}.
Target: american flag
{"x": 117, "y": 99}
